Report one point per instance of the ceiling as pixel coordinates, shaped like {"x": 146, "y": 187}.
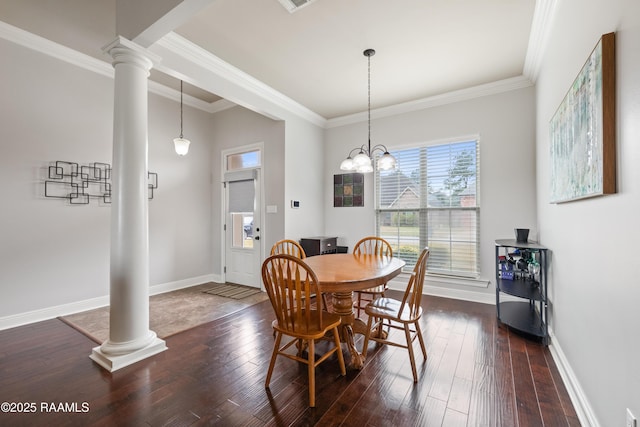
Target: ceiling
{"x": 314, "y": 55}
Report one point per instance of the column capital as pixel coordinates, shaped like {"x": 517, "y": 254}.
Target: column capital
{"x": 123, "y": 50}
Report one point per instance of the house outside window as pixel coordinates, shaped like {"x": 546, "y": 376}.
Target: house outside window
{"x": 432, "y": 200}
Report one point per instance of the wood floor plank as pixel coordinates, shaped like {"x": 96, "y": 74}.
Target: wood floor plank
{"x": 443, "y": 380}
{"x": 467, "y": 359}
{"x": 476, "y": 374}
{"x": 454, "y": 419}
{"x": 504, "y": 380}
{"x": 528, "y": 409}
{"x": 548, "y": 398}
{"x": 565, "y": 400}
{"x": 460, "y": 396}
{"x": 432, "y": 413}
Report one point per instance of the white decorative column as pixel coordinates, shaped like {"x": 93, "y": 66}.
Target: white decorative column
{"x": 130, "y": 339}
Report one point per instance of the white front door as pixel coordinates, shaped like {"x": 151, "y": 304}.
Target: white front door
{"x": 242, "y": 228}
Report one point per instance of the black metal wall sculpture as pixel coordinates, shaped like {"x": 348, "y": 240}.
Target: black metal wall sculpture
{"x": 79, "y": 184}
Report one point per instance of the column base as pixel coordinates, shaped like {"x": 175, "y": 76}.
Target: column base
{"x": 112, "y": 362}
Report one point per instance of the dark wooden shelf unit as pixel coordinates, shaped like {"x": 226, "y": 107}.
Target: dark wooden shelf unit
{"x": 528, "y": 313}
{"x": 319, "y": 245}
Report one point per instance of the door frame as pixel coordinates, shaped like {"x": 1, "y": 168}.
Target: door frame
{"x": 258, "y": 146}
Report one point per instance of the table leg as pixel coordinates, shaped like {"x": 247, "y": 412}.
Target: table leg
{"x": 343, "y": 305}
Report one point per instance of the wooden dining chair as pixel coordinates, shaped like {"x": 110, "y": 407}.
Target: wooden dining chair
{"x": 288, "y": 247}
{"x": 374, "y": 246}
{"x": 403, "y": 315}
{"x": 291, "y": 247}
{"x": 289, "y": 282}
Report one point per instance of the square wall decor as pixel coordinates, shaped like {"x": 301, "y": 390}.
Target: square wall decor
{"x": 348, "y": 190}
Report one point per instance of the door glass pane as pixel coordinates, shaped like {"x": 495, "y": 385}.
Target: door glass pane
{"x": 242, "y": 229}
{"x": 249, "y": 159}
{"x": 241, "y": 205}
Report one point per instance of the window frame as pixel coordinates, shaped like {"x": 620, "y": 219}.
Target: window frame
{"x": 424, "y": 210}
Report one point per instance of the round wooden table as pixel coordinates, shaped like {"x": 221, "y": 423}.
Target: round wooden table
{"x": 341, "y": 274}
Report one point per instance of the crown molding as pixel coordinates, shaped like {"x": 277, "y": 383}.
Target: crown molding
{"x": 192, "y": 52}
{"x": 55, "y": 50}
{"x": 538, "y": 36}
{"x": 480, "y": 91}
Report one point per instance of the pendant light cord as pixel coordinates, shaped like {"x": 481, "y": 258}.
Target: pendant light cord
{"x": 180, "y": 109}
{"x": 369, "y": 100}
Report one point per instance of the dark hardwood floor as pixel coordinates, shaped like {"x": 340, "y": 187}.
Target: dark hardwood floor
{"x": 476, "y": 374}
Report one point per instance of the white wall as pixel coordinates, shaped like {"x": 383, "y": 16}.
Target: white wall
{"x": 595, "y": 288}
{"x": 505, "y": 125}
{"x": 180, "y": 214}
{"x": 239, "y": 127}
{"x": 304, "y": 180}
{"x": 55, "y": 254}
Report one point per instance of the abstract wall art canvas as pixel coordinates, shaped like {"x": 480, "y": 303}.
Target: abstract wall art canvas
{"x": 582, "y": 130}
{"x": 348, "y": 190}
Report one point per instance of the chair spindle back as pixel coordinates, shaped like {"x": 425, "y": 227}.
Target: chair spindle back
{"x": 373, "y": 245}
{"x": 413, "y": 294}
{"x": 290, "y": 284}
{"x": 288, "y": 247}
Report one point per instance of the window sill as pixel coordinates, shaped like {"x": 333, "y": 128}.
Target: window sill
{"x": 439, "y": 280}
{"x": 458, "y": 281}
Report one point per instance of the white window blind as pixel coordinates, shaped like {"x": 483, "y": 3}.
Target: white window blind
{"x": 241, "y": 196}
{"x": 432, "y": 199}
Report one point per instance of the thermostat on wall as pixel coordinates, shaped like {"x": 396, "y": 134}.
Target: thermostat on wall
{"x": 295, "y": 204}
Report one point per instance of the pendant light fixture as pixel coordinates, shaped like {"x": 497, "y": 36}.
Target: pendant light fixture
{"x": 363, "y": 161}
{"x": 181, "y": 144}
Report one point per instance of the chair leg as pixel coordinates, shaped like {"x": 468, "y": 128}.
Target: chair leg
{"x": 276, "y": 347}
{"x": 336, "y": 338}
{"x": 301, "y": 345}
{"x": 412, "y": 358}
{"x": 419, "y": 332}
{"x": 311, "y": 362}
{"x": 366, "y": 337}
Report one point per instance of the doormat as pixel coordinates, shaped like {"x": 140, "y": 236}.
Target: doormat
{"x": 231, "y": 290}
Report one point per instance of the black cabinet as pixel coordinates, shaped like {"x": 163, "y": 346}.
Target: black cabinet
{"x": 319, "y": 245}
{"x": 521, "y": 272}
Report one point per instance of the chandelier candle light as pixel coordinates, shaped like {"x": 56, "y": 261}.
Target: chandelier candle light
{"x": 362, "y": 162}
{"x": 181, "y": 144}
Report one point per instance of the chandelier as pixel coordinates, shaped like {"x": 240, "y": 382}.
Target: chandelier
{"x": 363, "y": 161}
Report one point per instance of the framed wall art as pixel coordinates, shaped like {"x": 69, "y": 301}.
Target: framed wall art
{"x": 583, "y": 130}
{"x": 348, "y": 190}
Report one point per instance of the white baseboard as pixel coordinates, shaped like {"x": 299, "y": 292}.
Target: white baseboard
{"x": 579, "y": 399}
{"x": 471, "y": 294}
{"x": 181, "y": 284}
{"x": 90, "y": 304}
